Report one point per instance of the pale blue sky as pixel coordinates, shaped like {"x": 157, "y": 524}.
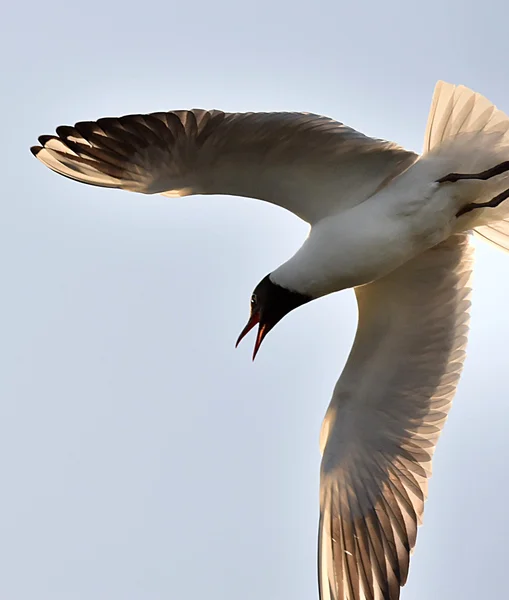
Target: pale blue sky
{"x": 141, "y": 456}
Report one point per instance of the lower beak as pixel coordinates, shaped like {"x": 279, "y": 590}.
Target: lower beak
{"x": 262, "y": 332}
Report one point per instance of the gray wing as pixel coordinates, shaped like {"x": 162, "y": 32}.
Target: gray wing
{"x": 311, "y": 165}
{"x": 384, "y": 420}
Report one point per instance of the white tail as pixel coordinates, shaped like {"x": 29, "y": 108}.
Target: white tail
{"x": 456, "y": 110}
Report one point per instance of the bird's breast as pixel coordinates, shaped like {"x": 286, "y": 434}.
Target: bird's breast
{"x": 358, "y": 246}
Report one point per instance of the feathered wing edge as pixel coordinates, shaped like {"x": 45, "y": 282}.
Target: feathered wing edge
{"x": 311, "y": 165}
{"x": 384, "y": 420}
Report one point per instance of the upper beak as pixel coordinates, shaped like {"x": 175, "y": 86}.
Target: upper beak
{"x": 262, "y": 332}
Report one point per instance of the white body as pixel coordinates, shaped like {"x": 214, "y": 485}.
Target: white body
{"x": 368, "y": 241}
{"x": 410, "y": 215}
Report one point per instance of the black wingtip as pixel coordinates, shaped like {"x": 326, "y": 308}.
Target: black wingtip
{"x": 64, "y": 131}
{"x": 44, "y": 139}
{"x": 35, "y": 150}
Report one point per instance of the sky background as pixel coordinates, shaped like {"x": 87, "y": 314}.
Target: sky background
{"x": 142, "y": 457}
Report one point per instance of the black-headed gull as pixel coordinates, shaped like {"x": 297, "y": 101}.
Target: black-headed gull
{"x": 385, "y": 221}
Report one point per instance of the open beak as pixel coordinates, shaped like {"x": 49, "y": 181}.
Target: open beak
{"x": 254, "y": 319}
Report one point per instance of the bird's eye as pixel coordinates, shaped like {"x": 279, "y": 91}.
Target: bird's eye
{"x": 254, "y": 299}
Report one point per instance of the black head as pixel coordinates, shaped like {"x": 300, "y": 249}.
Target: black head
{"x": 269, "y": 304}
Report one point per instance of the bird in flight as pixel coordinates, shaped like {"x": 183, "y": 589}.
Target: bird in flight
{"x": 392, "y": 225}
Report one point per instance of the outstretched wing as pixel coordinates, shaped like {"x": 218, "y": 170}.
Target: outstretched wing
{"x": 311, "y": 165}
{"x": 385, "y": 418}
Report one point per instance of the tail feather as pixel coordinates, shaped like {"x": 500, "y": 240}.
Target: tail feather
{"x": 496, "y": 234}
{"x": 458, "y": 111}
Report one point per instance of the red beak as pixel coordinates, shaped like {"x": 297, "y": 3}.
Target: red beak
{"x": 254, "y": 319}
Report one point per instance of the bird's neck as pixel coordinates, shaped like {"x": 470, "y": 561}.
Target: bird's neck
{"x": 350, "y": 249}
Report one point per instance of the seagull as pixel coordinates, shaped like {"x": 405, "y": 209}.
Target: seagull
{"x": 394, "y": 226}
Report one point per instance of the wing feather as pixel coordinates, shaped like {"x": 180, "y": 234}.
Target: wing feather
{"x": 311, "y": 165}
{"x": 384, "y": 420}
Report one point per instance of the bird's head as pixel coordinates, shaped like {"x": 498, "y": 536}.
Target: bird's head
{"x": 270, "y": 302}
